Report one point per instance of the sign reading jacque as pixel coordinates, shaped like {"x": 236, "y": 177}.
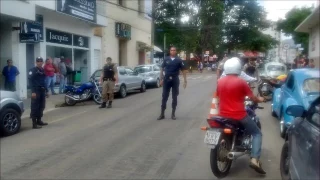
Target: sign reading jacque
{"x": 58, "y": 37}
{"x": 83, "y": 9}
{"x": 80, "y": 41}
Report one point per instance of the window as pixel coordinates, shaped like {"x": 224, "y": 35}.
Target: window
{"x": 121, "y": 2}
{"x": 97, "y": 73}
{"x": 311, "y": 85}
{"x": 314, "y": 114}
{"x": 143, "y": 69}
{"x": 276, "y": 68}
{"x": 290, "y": 81}
{"x": 122, "y": 71}
{"x": 156, "y": 68}
{"x": 129, "y": 71}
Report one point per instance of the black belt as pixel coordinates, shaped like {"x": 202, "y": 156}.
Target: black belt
{"x": 171, "y": 77}
{"x": 108, "y": 79}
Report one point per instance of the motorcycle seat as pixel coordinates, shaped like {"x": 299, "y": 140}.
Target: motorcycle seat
{"x": 228, "y": 122}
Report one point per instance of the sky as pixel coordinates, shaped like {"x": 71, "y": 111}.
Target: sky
{"x": 277, "y": 9}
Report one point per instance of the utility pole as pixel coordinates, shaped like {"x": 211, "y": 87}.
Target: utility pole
{"x": 152, "y": 30}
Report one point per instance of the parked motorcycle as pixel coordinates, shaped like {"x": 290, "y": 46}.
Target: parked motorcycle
{"x": 82, "y": 93}
{"x": 266, "y": 87}
{"x": 228, "y": 140}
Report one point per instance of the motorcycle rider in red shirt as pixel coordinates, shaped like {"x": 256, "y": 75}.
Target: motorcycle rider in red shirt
{"x": 231, "y": 91}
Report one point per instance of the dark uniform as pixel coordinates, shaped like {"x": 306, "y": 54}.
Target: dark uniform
{"x": 108, "y": 84}
{"x": 171, "y": 80}
{"x": 38, "y": 86}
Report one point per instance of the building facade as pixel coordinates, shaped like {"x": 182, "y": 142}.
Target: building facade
{"x": 127, "y": 38}
{"x": 311, "y": 25}
{"x": 52, "y": 28}
{"x": 274, "y": 53}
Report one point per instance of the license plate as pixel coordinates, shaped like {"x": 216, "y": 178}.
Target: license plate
{"x": 212, "y": 137}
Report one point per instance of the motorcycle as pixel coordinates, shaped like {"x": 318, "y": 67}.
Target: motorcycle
{"x": 228, "y": 140}
{"x": 82, "y": 93}
{"x": 266, "y": 87}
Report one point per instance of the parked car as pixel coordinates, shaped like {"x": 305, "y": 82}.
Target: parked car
{"x": 150, "y": 73}
{"x": 301, "y": 88}
{"x": 273, "y": 69}
{"x": 128, "y": 81}
{"x": 11, "y": 109}
{"x": 300, "y": 152}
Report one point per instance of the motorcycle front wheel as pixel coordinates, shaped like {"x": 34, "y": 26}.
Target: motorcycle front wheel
{"x": 97, "y": 98}
{"x": 219, "y": 161}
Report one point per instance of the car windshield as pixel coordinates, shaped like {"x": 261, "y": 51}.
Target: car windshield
{"x": 142, "y": 69}
{"x": 275, "y": 68}
{"x": 311, "y": 85}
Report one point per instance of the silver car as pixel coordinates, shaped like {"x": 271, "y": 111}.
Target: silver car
{"x": 150, "y": 73}
{"x": 11, "y": 109}
{"x": 273, "y": 69}
{"x": 128, "y": 81}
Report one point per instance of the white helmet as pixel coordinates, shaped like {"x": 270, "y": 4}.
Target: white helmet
{"x": 232, "y": 66}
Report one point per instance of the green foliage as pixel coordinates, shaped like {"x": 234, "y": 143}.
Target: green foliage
{"x": 293, "y": 19}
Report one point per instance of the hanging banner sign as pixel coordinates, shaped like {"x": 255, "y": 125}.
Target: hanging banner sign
{"x": 82, "y": 9}
{"x": 35, "y": 27}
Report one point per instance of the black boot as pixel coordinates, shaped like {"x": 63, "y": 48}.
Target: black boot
{"x": 161, "y": 115}
{"x": 34, "y": 124}
{"x": 173, "y": 115}
{"x": 41, "y": 123}
{"x": 110, "y": 104}
{"x": 103, "y": 105}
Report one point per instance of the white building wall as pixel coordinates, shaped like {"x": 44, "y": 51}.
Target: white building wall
{"x": 314, "y": 44}
{"x": 277, "y": 35}
{"x": 140, "y": 31}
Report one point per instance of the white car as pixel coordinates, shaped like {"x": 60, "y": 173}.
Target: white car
{"x": 150, "y": 73}
{"x": 273, "y": 69}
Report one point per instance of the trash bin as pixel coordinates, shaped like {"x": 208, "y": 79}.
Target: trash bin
{"x": 77, "y": 76}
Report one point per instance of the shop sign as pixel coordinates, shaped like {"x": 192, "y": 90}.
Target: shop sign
{"x": 35, "y": 27}
{"x": 123, "y": 30}
{"x": 29, "y": 37}
{"x": 58, "y": 37}
{"x": 82, "y": 9}
{"x": 80, "y": 41}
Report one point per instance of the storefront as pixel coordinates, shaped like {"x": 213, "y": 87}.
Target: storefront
{"x": 53, "y": 33}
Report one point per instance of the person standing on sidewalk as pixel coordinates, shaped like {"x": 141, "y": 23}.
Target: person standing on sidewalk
{"x": 172, "y": 66}
{"x": 108, "y": 79}
{"x": 63, "y": 74}
{"x": 10, "y": 73}
{"x": 49, "y": 71}
{"x": 39, "y": 90}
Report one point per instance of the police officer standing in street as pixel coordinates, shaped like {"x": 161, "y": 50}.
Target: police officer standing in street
{"x": 108, "y": 79}
{"x": 171, "y": 66}
{"x": 39, "y": 93}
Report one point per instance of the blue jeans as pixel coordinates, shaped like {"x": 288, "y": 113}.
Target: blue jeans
{"x": 63, "y": 80}
{"x": 50, "y": 83}
{"x": 252, "y": 128}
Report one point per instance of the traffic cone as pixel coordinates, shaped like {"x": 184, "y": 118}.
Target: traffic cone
{"x": 214, "y": 106}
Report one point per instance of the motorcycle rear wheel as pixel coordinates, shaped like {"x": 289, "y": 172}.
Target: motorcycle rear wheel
{"x": 97, "y": 98}
{"x": 69, "y": 101}
{"x": 220, "y": 154}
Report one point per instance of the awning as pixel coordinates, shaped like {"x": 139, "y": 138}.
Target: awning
{"x": 310, "y": 22}
{"x": 157, "y": 49}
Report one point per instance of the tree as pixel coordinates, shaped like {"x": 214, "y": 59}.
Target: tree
{"x": 293, "y": 18}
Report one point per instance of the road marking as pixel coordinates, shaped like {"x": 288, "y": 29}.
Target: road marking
{"x": 67, "y": 117}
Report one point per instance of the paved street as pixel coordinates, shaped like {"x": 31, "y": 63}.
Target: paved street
{"x": 84, "y": 142}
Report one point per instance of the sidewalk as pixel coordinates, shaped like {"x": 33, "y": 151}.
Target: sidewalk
{"x": 51, "y": 104}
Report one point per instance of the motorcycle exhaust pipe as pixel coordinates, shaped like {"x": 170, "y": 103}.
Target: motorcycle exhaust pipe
{"x": 73, "y": 98}
{"x": 235, "y": 155}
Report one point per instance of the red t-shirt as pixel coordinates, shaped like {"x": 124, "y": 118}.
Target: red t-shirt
{"x": 48, "y": 71}
{"x": 231, "y": 91}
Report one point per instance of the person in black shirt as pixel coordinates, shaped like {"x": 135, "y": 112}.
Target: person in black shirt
{"x": 171, "y": 66}
{"x": 39, "y": 93}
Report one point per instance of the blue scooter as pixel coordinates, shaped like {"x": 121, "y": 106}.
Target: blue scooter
{"x": 82, "y": 93}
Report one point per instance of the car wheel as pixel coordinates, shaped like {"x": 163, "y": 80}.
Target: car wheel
{"x": 283, "y": 129}
{"x": 10, "y": 121}
{"x": 285, "y": 162}
{"x": 158, "y": 83}
{"x": 123, "y": 91}
{"x": 143, "y": 87}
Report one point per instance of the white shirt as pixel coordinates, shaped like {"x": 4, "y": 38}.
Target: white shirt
{"x": 244, "y": 76}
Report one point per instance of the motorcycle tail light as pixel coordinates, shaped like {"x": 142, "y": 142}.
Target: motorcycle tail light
{"x": 213, "y": 124}
{"x": 227, "y": 131}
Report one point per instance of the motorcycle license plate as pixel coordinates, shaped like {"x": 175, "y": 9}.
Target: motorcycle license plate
{"x": 212, "y": 137}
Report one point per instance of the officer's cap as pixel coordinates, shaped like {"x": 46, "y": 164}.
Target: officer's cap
{"x": 39, "y": 59}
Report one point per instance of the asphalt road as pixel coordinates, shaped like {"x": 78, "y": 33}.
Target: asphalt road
{"x": 127, "y": 142}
